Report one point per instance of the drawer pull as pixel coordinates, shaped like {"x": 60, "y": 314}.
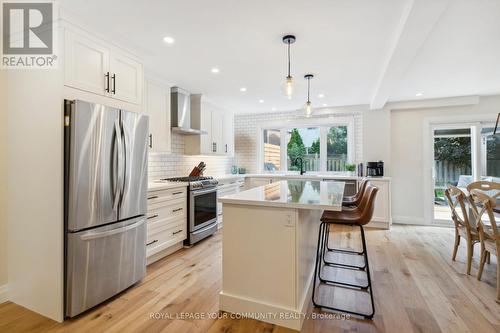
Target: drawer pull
{"x": 175, "y": 193}
{"x": 176, "y": 210}
{"x": 176, "y": 232}
{"x": 153, "y": 197}
{"x": 151, "y": 243}
{"x": 152, "y": 216}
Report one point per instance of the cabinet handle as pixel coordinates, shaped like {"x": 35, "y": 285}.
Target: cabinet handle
{"x": 151, "y": 141}
{"x": 152, "y": 216}
{"x": 175, "y": 193}
{"x": 153, "y": 197}
{"x": 176, "y": 210}
{"x": 213, "y": 147}
{"x": 151, "y": 243}
{"x": 107, "y": 82}
{"x": 176, "y": 232}
{"x": 114, "y": 84}
{"x": 226, "y": 147}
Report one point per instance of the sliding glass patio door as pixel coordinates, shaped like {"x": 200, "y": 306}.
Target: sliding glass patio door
{"x": 463, "y": 153}
{"x": 452, "y": 164}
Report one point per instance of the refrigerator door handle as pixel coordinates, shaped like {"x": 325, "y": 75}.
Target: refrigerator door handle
{"x": 119, "y": 181}
{"x": 125, "y": 162}
{"x": 107, "y": 233}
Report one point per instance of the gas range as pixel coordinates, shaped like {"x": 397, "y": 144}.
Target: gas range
{"x": 202, "y": 207}
{"x": 195, "y": 183}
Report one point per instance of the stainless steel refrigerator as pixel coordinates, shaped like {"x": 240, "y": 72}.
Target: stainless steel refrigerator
{"x": 105, "y": 202}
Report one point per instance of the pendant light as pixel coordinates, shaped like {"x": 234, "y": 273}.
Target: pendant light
{"x": 308, "y": 106}
{"x": 288, "y": 86}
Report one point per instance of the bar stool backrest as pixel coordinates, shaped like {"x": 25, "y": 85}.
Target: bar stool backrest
{"x": 367, "y": 205}
{"x": 456, "y": 197}
{"x": 362, "y": 188}
{"x": 483, "y": 205}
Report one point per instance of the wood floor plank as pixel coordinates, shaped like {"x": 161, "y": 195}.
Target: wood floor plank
{"x": 417, "y": 289}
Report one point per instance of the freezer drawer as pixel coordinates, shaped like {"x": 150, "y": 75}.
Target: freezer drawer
{"x": 103, "y": 262}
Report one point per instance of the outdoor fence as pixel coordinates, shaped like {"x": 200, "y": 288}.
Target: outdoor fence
{"x": 448, "y": 173}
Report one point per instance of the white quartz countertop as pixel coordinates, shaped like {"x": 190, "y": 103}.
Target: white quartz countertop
{"x": 292, "y": 175}
{"x": 165, "y": 185}
{"x": 292, "y": 193}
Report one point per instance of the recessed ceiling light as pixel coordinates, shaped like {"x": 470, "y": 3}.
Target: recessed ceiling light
{"x": 261, "y": 101}
{"x": 324, "y": 104}
{"x": 273, "y": 109}
{"x": 243, "y": 89}
{"x": 168, "y": 40}
{"x": 215, "y": 70}
{"x": 321, "y": 95}
{"x": 419, "y": 94}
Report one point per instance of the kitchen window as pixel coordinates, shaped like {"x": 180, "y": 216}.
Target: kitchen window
{"x": 320, "y": 146}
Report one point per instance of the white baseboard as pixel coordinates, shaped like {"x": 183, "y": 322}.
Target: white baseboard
{"x": 163, "y": 253}
{"x": 269, "y": 313}
{"x": 3, "y": 293}
{"x": 409, "y": 220}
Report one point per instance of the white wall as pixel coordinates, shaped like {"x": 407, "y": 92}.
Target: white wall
{"x": 407, "y": 154}
{"x": 35, "y": 190}
{"x": 3, "y": 180}
{"x": 377, "y": 137}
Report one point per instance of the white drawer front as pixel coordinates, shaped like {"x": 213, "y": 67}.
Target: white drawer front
{"x": 167, "y": 209}
{"x": 163, "y": 239}
{"x": 155, "y": 197}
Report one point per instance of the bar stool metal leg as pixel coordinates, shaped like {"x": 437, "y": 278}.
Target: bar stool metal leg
{"x": 337, "y": 264}
{"x": 322, "y": 248}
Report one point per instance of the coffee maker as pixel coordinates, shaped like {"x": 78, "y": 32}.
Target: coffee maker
{"x": 375, "y": 169}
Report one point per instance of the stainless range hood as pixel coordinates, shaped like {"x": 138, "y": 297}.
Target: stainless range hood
{"x": 180, "y": 106}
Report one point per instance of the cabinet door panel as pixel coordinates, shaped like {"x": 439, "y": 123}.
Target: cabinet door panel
{"x": 206, "y": 125}
{"x": 158, "y": 110}
{"x": 86, "y": 63}
{"x": 228, "y": 134}
{"x": 126, "y": 78}
{"x": 217, "y": 131}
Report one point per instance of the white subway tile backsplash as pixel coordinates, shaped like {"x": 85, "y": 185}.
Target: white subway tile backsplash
{"x": 175, "y": 164}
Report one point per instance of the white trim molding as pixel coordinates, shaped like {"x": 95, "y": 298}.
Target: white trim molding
{"x": 409, "y": 220}
{"x": 4, "y": 293}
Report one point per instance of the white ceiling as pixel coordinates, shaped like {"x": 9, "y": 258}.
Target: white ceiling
{"x": 361, "y": 52}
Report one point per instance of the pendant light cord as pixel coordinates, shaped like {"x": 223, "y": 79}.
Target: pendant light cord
{"x": 288, "y": 58}
{"x": 308, "y": 88}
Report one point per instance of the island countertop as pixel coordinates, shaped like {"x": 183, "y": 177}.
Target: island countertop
{"x": 302, "y": 194}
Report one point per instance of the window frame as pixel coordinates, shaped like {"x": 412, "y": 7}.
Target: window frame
{"x": 323, "y": 125}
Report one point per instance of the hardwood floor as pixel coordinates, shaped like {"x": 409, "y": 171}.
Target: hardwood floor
{"x": 417, "y": 288}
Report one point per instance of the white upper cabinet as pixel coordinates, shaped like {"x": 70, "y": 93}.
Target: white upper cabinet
{"x": 94, "y": 66}
{"x": 126, "y": 78}
{"x": 228, "y": 134}
{"x": 219, "y": 128}
{"x": 157, "y": 107}
{"x": 86, "y": 64}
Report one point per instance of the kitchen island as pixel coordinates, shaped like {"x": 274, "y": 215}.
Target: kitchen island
{"x": 269, "y": 246}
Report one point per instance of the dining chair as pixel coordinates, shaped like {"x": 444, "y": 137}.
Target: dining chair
{"x": 463, "y": 227}
{"x": 489, "y": 235}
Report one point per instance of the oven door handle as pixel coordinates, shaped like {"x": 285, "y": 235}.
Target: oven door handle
{"x": 201, "y": 192}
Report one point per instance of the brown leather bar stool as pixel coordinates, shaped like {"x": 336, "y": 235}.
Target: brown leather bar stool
{"x": 353, "y": 202}
{"x": 358, "y": 216}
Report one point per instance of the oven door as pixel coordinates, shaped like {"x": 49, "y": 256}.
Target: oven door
{"x": 203, "y": 208}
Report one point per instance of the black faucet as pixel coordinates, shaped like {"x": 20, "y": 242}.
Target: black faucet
{"x": 302, "y": 171}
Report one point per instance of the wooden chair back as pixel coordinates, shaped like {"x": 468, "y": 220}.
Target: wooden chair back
{"x": 492, "y": 188}
{"x": 482, "y": 206}
{"x": 456, "y": 200}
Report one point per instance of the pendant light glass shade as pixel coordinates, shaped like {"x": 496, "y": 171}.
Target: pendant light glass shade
{"x": 308, "y": 109}
{"x": 288, "y": 87}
